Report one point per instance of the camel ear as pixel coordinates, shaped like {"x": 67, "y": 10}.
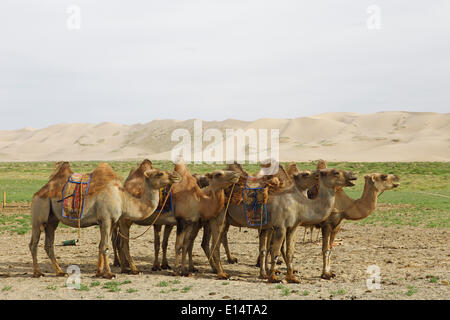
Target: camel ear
{"x": 369, "y": 177}
{"x": 208, "y": 175}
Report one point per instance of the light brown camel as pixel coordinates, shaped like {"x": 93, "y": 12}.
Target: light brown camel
{"x": 351, "y": 209}
{"x": 287, "y": 209}
{"x": 193, "y": 206}
{"x": 105, "y": 202}
{"x": 133, "y": 183}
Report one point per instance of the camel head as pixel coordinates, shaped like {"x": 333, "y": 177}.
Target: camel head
{"x": 305, "y": 179}
{"x": 157, "y": 178}
{"x": 333, "y": 178}
{"x": 382, "y": 181}
{"x": 221, "y": 179}
{"x": 202, "y": 180}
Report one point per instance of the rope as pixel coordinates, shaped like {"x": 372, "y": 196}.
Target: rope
{"x": 159, "y": 213}
{"x": 223, "y": 222}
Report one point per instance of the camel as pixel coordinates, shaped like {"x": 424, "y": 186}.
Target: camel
{"x": 105, "y": 203}
{"x": 194, "y": 206}
{"x": 351, "y": 209}
{"x": 134, "y": 183}
{"x": 287, "y": 209}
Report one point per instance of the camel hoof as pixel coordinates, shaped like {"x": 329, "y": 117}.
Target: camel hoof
{"x": 279, "y": 262}
{"x": 109, "y": 275}
{"x": 327, "y": 276}
{"x": 193, "y": 269}
{"x": 232, "y": 260}
{"x": 273, "y": 279}
{"x": 186, "y": 274}
{"x": 38, "y": 275}
{"x": 134, "y": 272}
{"x": 156, "y": 268}
{"x": 277, "y": 271}
{"x": 116, "y": 263}
{"x": 125, "y": 271}
{"x": 223, "y": 276}
{"x": 263, "y": 276}
{"x": 165, "y": 266}
{"x": 292, "y": 279}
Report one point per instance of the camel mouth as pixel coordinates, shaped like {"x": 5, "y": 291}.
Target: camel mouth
{"x": 350, "y": 184}
{"x": 395, "y": 185}
{"x": 235, "y": 179}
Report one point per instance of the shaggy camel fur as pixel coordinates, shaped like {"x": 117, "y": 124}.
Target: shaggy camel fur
{"x": 105, "y": 203}
{"x": 194, "y": 205}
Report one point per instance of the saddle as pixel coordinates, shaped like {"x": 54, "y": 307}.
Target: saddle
{"x": 254, "y": 197}
{"x": 162, "y": 196}
{"x": 74, "y": 195}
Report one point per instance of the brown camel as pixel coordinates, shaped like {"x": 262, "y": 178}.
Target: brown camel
{"x": 134, "y": 183}
{"x": 193, "y": 206}
{"x": 287, "y": 209}
{"x": 105, "y": 202}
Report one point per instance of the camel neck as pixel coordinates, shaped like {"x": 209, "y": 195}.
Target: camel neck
{"x": 213, "y": 203}
{"x": 136, "y": 209}
{"x": 364, "y": 206}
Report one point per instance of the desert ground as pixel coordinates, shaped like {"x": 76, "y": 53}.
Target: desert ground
{"x": 414, "y": 263}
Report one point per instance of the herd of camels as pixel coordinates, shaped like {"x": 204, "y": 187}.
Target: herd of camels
{"x": 312, "y": 199}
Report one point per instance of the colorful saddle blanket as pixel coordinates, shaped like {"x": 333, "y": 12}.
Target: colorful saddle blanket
{"x": 168, "y": 206}
{"x": 255, "y": 204}
{"x": 74, "y": 195}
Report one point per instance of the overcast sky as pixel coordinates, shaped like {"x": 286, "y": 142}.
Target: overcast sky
{"x": 135, "y": 61}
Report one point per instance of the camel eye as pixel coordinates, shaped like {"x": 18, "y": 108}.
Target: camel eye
{"x": 304, "y": 175}
{"x": 336, "y": 173}
{"x": 159, "y": 174}
{"x": 218, "y": 175}
{"x": 384, "y": 177}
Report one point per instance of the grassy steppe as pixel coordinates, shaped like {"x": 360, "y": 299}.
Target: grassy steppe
{"x": 423, "y": 199}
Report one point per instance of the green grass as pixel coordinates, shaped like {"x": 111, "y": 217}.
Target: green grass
{"x": 51, "y": 287}
{"x": 411, "y": 290}
{"x": 112, "y": 286}
{"x": 131, "y": 290}
{"x": 163, "y": 284}
{"x": 6, "y": 288}
{"x": 83, "y": 287}
{"x": 305, "y": 293}
{"x": 421, "y": 200}
{"x": 186, "y": 289}
{"x": 95, "y": 283}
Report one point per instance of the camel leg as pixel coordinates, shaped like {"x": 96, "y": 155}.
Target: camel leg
{"x": 157, "y": 246}
{"x": 326, "y": 252}
{"x": 291, "y": 236}
{"x": 105, "y": 231}
{"x": 50, "y": 229}
{"x": 124, "y": 253}
{"x": 304, "y": 234}
{"x": 230, "y": 257}
{"x": 262, "y": 257}
{"x": 268, "y": 252}
{"x": 216, "y": 231}
{"x": 277, "y": 240}
{"x": 311, "y": 231}
{"x": 181, "y": 234}
{"x": 40, "y": 210}
{"x": 115, "y": 240}
{"x": 206, "y": 240}
{"x": 165, "y": 243}
{"x": 185, "y": 249}
{"x": 258, "y": 260}
{"x": 195, "y": 229}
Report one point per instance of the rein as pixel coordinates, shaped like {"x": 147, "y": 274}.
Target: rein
{"x": 223, "y": 222}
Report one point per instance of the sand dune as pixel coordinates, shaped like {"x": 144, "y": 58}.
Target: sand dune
{"x": 383, "y": 136}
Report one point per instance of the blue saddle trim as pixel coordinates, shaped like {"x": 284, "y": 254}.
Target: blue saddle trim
{"x": 254, "y": 206}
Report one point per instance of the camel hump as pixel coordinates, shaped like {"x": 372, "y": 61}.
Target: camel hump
{"x": 58, "y": 178}
{"x": 102, "y": 176}
{"x": 135, "y": 182}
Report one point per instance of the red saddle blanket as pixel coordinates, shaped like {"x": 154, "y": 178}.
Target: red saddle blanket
{"x": 74, "y": 195}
